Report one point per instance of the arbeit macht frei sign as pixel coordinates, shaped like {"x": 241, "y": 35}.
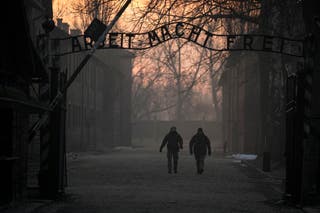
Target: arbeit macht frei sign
{"x": 189, "y": 32}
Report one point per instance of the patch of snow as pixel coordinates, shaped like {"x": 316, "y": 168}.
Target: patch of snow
{"x": 123, "y": 148}
{"x": 244, "y": 156}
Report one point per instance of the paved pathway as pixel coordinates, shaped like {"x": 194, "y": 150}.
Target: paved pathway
{"x": 136, "y": 181}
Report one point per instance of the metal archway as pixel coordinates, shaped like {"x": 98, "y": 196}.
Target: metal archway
{"x": 182, "y": 30}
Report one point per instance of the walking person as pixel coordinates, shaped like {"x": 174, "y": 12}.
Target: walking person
{"x": 200, "y": 146}
{"x": 225, "y": 146}
{"x": 174, "y": 143}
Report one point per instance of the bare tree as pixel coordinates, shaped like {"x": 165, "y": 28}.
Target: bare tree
{"x": 180, "y": 66}
{"x": 204, "y": 67}
{"x": 145, "y": 89}
{"x": 157, "y": 12}
{"x": 60, "y": 9}
{"x": 87, "y": 10}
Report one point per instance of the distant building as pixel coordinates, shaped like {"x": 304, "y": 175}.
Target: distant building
{"x": 99, "y": 101}
{"x": 63, "y": 26}
{"x": 263, "y": 113}
{"x": 240, "y": 103}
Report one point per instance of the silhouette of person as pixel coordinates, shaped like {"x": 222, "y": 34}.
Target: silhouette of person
{"x": 225, "y": 147}
{"x": 200, "y": 146}
{"x": 174, "y": 143}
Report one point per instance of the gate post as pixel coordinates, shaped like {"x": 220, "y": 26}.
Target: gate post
{"x": 291, "y": 106}
{"x": 53, "y": 161}
{"x": 298, "y": 130}
{"x": 294, "y": 136}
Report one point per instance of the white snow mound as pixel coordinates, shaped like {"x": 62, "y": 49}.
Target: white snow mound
{"x": 245, "y": 156}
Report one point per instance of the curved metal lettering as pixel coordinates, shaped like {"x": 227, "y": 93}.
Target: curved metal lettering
{"x": 190, "y": 32}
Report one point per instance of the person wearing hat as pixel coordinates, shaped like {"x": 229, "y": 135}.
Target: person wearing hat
{"x": 174, "y": 143}
{"x": 200, "y": 146}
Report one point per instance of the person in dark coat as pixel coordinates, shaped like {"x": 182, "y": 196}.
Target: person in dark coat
{"x": 200, "y": 146}
{"x": 174, "y": 143}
